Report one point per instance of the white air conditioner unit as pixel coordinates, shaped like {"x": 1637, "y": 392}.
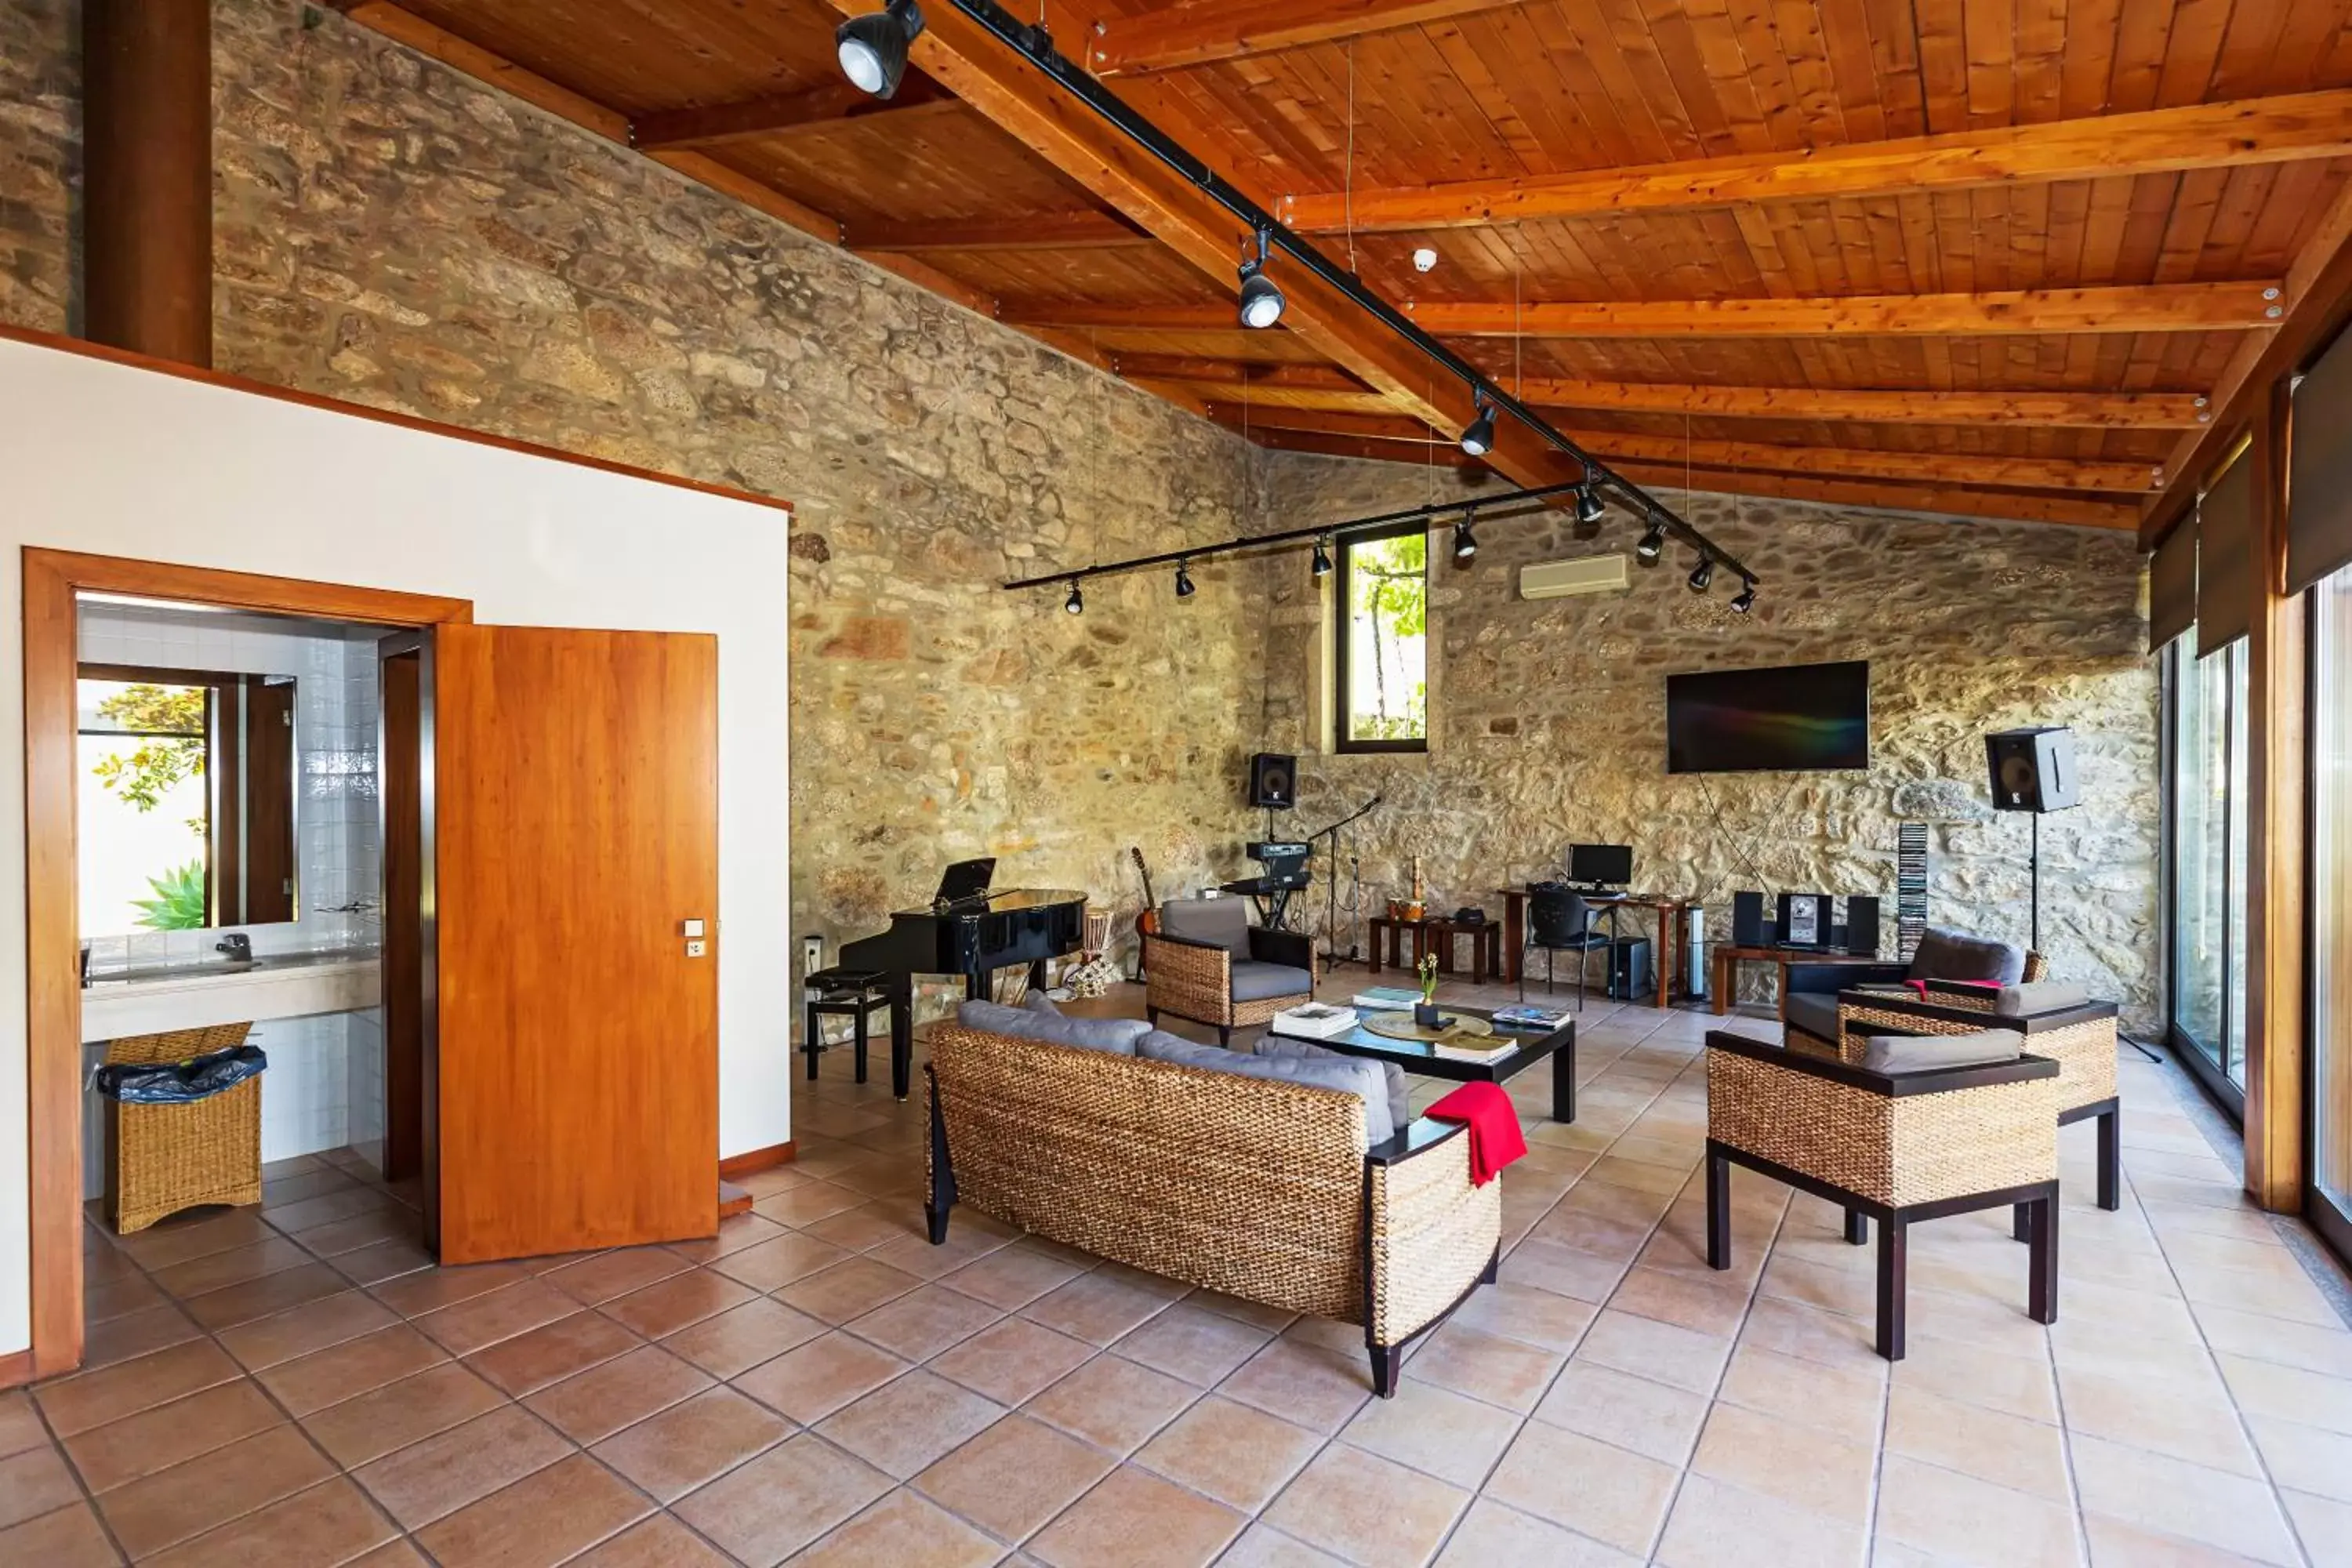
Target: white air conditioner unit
{"x": 1585, "y": 575}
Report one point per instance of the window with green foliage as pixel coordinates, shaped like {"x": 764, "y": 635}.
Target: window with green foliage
{"x": 1382, "y": 658}
{"x": 145, "y": 805}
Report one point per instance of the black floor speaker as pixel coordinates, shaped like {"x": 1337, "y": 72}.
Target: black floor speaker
{"x": 2032, "y": 770}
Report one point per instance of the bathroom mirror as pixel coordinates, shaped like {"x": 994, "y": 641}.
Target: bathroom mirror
{"x": 186, "y": 799}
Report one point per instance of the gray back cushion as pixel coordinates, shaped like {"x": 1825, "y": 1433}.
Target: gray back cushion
{"x": 1955, "y": 955}
{"x": 1392, "y": 1076}
{"x": 1346, "y": 1074}
{"x": 2039, "y": 996}
{"x": 1220, "y": 922}
{"x": 1116, "y": 1036}
{"x": 1039, "y": 1002}
{"x": 1926, "y": 1053}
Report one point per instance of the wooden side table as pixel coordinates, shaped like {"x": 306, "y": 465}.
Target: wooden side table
{"x": 1485, "y": 947}
{"x": 1727, "y": 960}
{"x": 1395, "y": 930}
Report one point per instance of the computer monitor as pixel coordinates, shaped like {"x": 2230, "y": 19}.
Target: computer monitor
{"x": 1600, "y": 864}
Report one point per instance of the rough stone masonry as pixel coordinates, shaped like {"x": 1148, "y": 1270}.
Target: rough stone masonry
{"x": 391, "y": 232}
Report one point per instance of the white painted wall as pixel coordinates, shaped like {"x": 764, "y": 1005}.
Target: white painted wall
{"x": 117, "y": 461}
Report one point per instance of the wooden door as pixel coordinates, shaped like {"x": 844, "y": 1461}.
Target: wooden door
{"x": 575, "y": 820}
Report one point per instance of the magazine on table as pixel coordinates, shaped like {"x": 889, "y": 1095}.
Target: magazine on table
{"x": 1482, "y": 1049}
{"x": 1387, "y": 999}
{"x": 1527, "y": 1015}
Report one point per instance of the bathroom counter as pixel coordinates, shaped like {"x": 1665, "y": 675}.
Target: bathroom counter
{"x": 197, "y": 996}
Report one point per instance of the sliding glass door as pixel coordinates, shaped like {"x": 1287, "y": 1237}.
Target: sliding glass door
{"x": 2206, "y": 699}
{"x": 2331, "y": 909}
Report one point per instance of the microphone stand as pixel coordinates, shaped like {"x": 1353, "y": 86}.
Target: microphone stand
{"x": 1331, "y": 882}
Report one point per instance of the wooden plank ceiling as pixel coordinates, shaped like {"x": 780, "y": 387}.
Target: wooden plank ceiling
{"x": 2002, "y": 260}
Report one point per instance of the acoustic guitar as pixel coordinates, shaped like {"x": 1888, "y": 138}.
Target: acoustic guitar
{"x": 1147, "y": 922}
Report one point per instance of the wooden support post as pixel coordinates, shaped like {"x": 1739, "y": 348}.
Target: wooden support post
{"x": 148, "y": 177}
{"x": 2275, "y": 838}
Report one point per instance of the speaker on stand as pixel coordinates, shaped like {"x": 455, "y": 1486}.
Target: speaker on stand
{"x": 2033, "y": 771}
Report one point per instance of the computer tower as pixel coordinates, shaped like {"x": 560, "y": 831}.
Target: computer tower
{"x": 1629, "y": 968}
{"x": 1861, "y": 927}
{"x": 1750, "y": 925}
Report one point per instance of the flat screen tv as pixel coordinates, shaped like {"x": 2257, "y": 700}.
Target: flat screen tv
{"x": 1800, "y": 718}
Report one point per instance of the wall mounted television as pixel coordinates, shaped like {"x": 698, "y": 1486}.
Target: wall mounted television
{"x": 1799, "y": 718}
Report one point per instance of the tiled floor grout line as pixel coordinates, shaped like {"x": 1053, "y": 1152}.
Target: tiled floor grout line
{"x": 81, "y": 1483}
{"x": 2237, "y": 1411}
{"x": 1715, "y": 1392}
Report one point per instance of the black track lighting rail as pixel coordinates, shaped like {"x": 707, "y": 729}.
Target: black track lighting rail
{"x": 1035, "y": 45}
{"x": 1324, "y": 530}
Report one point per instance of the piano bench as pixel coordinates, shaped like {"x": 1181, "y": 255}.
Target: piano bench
{"x": 855, "y": 993}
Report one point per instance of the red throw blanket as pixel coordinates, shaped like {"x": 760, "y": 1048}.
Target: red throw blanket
{"x": 1495, "y": 1137}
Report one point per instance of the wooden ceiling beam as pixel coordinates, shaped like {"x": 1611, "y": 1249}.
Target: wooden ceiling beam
{"x": 1938, "y": 501}
{"x": 1234, "y": 373}
{"x": 2155, "y": 308}
{"x": 2082, "y": 410}
{"x": 778, "y": 114}
{"x": 1841, "y": 462}
{"x": 1036, "y": 231}
{"x": 2160, "y": 141}
{"x": 1204, "y": 31}
{"x": 1027, "y": 105}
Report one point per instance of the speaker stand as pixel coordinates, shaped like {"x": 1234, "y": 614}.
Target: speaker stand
{"x": 2034, "y": 870}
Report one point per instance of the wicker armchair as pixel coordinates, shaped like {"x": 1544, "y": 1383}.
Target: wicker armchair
{"x": 1264, "y": 1190}
{"x": 2076, "y": 1034}
{"x": 1894, "y": 1147}
{"x": 1809, "y": 991}
{"x": 1208, "y": 964}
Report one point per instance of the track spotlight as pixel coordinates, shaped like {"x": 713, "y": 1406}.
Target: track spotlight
{"x": 1262, "y": 301}
{"x": 873, "y": 47}
{"x": 1465, "y": 543}
{"x": 1745, "y": 600}
{"x": 1183, "y": 581}
{"x": 1076, "y": 603}
{"x": 1654, "y": 544}
{"x": 1322, "y": 560}
{"x": 1588, "y": 504}
{"x": 1479, "y": 438}
{"x": 1702, "y": 574}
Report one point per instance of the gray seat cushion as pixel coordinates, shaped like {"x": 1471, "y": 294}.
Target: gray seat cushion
{"x": 1955, "y": 955}
{"x": 1115, "y": 1036}
{"x": 1254, "y": 981}
{"x": 1399, "y": 1092}
{"x": 2039, "y": 996}
{"x": 1814, "y": 1012}
{"x": 1346, "y": 1074}
{"x": 1895, "y": 1054}
{"x": 1220, "y": 922}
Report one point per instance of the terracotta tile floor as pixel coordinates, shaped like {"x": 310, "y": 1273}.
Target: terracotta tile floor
{"x": 296, "y": 1385}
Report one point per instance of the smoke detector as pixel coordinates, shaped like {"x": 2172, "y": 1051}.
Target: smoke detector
{"x": 1424, "y": 258}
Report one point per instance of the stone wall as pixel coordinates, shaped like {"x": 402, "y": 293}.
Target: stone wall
{"x": 389, "y": 231}
{"x": 1552, "y": 716}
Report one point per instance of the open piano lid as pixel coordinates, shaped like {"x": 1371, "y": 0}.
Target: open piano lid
{"x": 964, "y": 880}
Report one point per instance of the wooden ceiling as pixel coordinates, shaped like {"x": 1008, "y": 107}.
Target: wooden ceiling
{"x": 2009, "y": 260}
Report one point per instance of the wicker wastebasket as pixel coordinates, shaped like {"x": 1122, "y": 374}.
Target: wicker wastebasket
{"x": 161, "y": 1159}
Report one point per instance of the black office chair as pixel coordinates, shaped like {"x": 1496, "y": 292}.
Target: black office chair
{"x": 1558, "y": 921}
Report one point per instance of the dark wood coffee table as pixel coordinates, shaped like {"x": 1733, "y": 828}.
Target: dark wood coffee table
{"x": 1419, "y": 1057}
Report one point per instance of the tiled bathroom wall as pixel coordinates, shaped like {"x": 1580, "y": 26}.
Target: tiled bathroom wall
{"x": 324, "y": 1088}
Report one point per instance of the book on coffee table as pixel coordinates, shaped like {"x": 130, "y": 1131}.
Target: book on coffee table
{"x": 1387, "y": 999}
{"x": 1473, "y": 1048}
{"x": 1528, "y": 1016}
{"x": 1315, "y": 1021}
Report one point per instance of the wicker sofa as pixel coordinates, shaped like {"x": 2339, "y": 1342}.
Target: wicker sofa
{"x": 1261, "y": 1188}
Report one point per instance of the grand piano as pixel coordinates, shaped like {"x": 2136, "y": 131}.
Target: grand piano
{"x": 968, "y": 931}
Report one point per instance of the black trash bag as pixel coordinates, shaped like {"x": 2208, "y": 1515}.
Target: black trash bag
{"x": 181, "y": 1082}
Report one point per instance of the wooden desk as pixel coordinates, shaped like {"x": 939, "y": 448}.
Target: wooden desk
{"x": 1665, "y": 956}
{"x": 1727, "y": 960}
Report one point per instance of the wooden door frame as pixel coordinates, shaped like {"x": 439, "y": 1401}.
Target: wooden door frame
{"x": 52, "y": 924}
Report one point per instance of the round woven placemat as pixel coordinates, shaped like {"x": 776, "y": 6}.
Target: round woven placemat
{"x": 1400, "y": 1027}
